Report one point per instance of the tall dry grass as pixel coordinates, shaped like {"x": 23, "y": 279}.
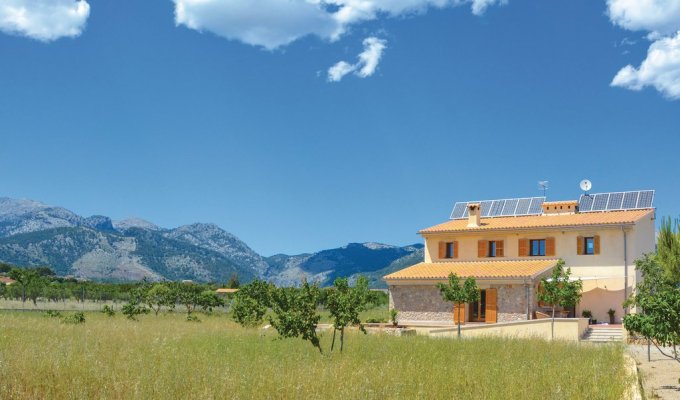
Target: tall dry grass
{"x": 166, "y": 357}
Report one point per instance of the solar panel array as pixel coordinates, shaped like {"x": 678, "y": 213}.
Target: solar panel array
{"x": 616, "y": 201}
{"x": 501, "y": 208}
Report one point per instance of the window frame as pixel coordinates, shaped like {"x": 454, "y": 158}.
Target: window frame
{"x": 492, "y": 251}
{"x": 450, "y": 250}
{"x": 588, "y": 251}
{"x": 541, "y": 246}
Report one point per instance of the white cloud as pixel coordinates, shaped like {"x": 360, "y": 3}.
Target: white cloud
{"x": 275, "y": 23}
{"x": 367, "y": 64}
{"x": 44, "y": 20}
{"x": 661, "y": 69}
{"x": 656, "y": 16}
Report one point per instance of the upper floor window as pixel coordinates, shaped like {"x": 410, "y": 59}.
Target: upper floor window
{"x": 492, "y": 248}
{"x": 450, "y": 250}
{"x": 537, "y": 247}
{"x": 589, "y": 245}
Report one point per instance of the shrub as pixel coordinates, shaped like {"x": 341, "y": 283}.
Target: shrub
{"x": 75, "y": 318}
{"x": 52, "y": 314}
{"x": 587, "y": 314}
{"x": 132, "y": 310}
{"x": 108, "y": 310}
{"x": 393, "y": 316}
{"x": 192, "y": 318}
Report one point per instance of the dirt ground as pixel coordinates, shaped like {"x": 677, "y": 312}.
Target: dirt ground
{"x": 660, "y": 375}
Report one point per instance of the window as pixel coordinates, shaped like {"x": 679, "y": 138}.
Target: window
{"x": 537, "y": 247}
{"x": 450, "y": 252}
{"x": 589, "y": 245}
{"x": 492, "y": 248}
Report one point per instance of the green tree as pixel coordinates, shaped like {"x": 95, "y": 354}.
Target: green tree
{"x": 560, "y": 290}
{"x": 668, "y": 248}
{"x": 657, "y": 298}
{"x": 24, "y": 277}
{"x": 208, "y": 300}
{"x": 459, "y": 294}
{"x": 251, "y": 303}
{"x": 345, "y": 303}
{"x": 134, "y": 306}
{"x": 160, "y": 295}
{"x": 295, "y": 312}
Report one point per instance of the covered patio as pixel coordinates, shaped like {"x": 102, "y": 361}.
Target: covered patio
{"x": 508, "y": 291}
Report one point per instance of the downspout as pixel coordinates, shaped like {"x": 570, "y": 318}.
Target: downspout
{"x": 625, "y": 266}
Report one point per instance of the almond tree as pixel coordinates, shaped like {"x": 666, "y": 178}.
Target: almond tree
{"x": 560, "y": 290}
{"x": 658, "y": 298}
{"x": 345, "y": 303}
{"x": 295, "y": 312}
{"x": 459, "y": 294}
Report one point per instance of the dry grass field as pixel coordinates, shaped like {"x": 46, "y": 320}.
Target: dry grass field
{"x": 166, "y": 357}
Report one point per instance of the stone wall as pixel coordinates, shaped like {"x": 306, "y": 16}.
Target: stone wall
{"x": 511, "y": 303}
{"x": 420, "y": 303}
{"x": 423, "y": 303}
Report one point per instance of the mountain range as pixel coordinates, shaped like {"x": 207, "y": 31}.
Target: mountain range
{"x": 97, "y": 248}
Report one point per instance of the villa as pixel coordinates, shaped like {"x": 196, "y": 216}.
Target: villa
{"x": 508, "y": 246}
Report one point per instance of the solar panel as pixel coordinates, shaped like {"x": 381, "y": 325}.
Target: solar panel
{"x": 501, "y": 208}
{"x": 630, "y": 200}
{"x": 509, "y": 207}
{"x": 458, "y": 210}
{"x": 536, "y": 205}
{"x": 616, "y": 201}
{"x": 645, "y": 199}
{"x": 600, "y": 202}
{"x": 585, "y": 203}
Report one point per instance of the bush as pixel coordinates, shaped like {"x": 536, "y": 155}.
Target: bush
{"x": 192, "y": 318}
{"x": 108, "y": 310}
{"x": 132, "y": 310}
{"x": 75, "y": 318}
{"x": 52, "y": 314}
{"x": 586, "y": 314}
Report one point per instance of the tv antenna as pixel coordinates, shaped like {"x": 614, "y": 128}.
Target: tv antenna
{"x": 543, "y": 185}
{"x": 586, "y": 185}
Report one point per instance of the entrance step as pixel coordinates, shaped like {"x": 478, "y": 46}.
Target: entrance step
{"x": 603, "y": 335}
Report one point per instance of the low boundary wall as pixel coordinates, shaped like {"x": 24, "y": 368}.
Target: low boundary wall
{"x": 565, "y": 329}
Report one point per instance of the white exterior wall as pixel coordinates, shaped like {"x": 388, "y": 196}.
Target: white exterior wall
{"x": 599, "y": 295}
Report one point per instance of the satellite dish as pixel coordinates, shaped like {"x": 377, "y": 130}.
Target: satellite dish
{"x": 586, "y": 185}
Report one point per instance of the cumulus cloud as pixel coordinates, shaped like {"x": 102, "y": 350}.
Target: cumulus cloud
{"x": 275, "y": 23}
{"x": 367, "y": 64}
{"x": 656, "y": 16}
{"x": 661, "y": 68}
{"x": 44, "y": 20}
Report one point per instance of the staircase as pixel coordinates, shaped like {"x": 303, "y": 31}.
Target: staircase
{"x": 603, "y": 334}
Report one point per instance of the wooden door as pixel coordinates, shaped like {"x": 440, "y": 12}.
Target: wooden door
{"x": 491, "y": 306}
{"x": 459, "y": 313}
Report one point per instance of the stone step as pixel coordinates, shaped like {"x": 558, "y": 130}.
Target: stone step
{"x": 602, "y": 335}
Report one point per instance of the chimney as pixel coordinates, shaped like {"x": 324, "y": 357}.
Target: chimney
{"x": 474, "y": 215}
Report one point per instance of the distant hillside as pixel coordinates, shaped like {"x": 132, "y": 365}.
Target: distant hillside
{"x": 36, "y": 234}
{"x": 353, "y": 259}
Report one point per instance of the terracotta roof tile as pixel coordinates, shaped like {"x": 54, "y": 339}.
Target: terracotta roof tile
{"x": 499, "y": 269}
{"x": 543, "y": 221}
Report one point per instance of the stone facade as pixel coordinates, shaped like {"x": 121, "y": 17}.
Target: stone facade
{"x": 423, "y": 303}
{"x": 420, "y": 303}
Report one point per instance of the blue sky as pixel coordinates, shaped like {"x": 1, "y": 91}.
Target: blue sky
{"x": 118, "y": 108}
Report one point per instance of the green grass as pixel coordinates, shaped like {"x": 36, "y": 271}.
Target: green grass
{"x": 167, "y": 357}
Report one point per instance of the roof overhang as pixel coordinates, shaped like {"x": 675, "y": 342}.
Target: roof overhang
{"x": 504, "y": 271}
